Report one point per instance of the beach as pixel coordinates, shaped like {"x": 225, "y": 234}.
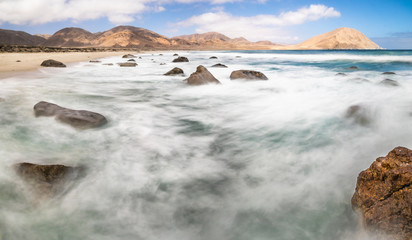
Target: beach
{"x": 14, "y": 63}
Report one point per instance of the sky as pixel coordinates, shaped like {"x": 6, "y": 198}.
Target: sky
{"x": 387, "y": 22}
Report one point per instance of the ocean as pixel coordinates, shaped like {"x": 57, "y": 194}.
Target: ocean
{"x": 244, "y": 160}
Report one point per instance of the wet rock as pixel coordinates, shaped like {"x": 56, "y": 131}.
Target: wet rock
{"x": 18, "y": 61}
{"x": 213, "y": 57}
{"x": 95, "y": 61}
{"x": 359, "y": 114}
{"x": 162, "y": 64}
{"x": 129, "y": 56}
{"x": 52, "y": 63}
{"x": 174, "y": 71}
{"x": 160, "y": 54}
{"x": 201, "y": 76}
{"x": 108, "y": 64}
{"x": 238, "y": 56}
{"x": 181, "y": 59}
{"x": 340, "y": 74}
{"x": 140, "y": 57}
{"x": 76, "y": 118}
{"x": 359, "y": 80}
{"x": 48, "y": 180}
{"x": 131, "y": 60}
{"x": 128, "y": 64}
{"x": 389, "y": 82}
{"x": 388, "y": 73}
{"x": 353, "y": 68}
{"x": 247, "y": 74}
{"x": 383, "y": 194}
{"x": 219, "y": 65}
{"x": 175, "y": 55}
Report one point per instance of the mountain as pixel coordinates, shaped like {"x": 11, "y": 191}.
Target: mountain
{"x": 341, "y": 38}
{"x": 11, "y": 37}
{"x": 45, "y": 36}
{"x": 204, "y": 37}
{"x": 70, "y": 37}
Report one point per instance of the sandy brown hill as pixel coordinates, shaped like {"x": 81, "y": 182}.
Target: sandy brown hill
{"x": 204, "y": 37}
{"x": 70, "y": 37}
{"x": 11, "y": 37}
{"x": 341, "y": 38}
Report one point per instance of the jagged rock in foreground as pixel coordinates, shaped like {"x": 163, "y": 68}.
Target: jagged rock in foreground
{"x": 384, "y": 194}
{"x": 201, "y": 76}
{"x": 76, "y": 118}
{"x": 52, "y": 63}
{"x": 247, "y": 74}
{"x": 174, "y": 71}
{"x": 47, "y": 180}
{"x": 181, "y": 59}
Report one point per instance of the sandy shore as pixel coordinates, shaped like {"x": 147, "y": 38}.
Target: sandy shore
{"x": 10, "y": 66}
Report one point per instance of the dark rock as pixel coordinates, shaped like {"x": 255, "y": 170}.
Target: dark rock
{"x": 353, "y": 68}
{"x": 128, "y": 64}
{"x": 201, "y": 76}
{"x": 213, "y": 57}
{"x": 359, "y": 114}
{"x": 388, "y": 73}
{"x": 95, "y": 61}
{"x": 140, "y": 57}
{"x": 48, "y": 180}
{"x": 359, "y": 80}
{"x": 389, "y": 82}
{"x": 175, "y": 55}
{"x": 108, "y": 64}
{"x": 76, "y": 118}
{"x": 160, "y": 54}
{"x": 131, "y": 60}
{"x": 219, "y": 65}
{"x": 247, "y": 74}
{"x": 52, "y": 63}
{"x": 181, "y": 59}
{"x": 341, "y": 74}
{"x": 238, "y": 56}
{"x": 129, "y": 56}
{"x": 174, "y": 71}
{"x": 18, "y": 61}
{"x": 162, "y": 63}
{"x": 383, "y": 194}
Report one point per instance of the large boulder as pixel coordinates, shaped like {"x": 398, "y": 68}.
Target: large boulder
{"x": 181, "y": 59}
{"x": 174, "y": 71}
{"x": 52, "y": 63}
{"x": 383, "y": 194}
{"x": 76, "y": 118}
{"x": 47, "y": 180}
{"x": 201, "y": 76}
{"x": 248, "y": 75}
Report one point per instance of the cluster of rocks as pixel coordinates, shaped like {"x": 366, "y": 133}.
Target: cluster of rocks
{"x": 385, "y": 82}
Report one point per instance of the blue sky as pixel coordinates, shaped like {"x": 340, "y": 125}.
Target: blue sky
{"x": 387, "y": 22}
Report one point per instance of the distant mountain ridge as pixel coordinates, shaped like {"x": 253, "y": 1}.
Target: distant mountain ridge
{"x": 134, "y": 37}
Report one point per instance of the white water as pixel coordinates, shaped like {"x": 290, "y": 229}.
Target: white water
{"x": 243, "y": 160}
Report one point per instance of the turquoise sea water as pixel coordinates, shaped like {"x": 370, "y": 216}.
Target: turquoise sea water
{"x": 272, "y": 159}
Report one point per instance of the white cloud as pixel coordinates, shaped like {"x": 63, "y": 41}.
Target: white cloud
{"x": 258, "y": 27}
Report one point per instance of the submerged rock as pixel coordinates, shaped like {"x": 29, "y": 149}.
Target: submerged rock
{"x": 47, "y": 180}
{"x": 108, "y": 64}
{"x": 52, "y": 63}
{"x": 353, "y": 68}
{"x": 174, "y": 71}
{"x": 340, "y": 74}
{"x": 388, "y": 73}
{"x": 175, "y": 55}
{"x": 95, "y": 61}
{"x": 247, "y": 74}
{"x": 76, "y": 118}
{"x": 219, "y": 65}
{"x": 359, "y": 114}
{"x": 213, "y": 57}
{"x": 181, "y": 59}
{"x": 389, "y": 82}
{"x": 383, "y": 194}
{"x": 131, "y": 60}
{"x": 201, "y": 76}
{"x": 128, "y": 64}
{"x": 129, "y": 56}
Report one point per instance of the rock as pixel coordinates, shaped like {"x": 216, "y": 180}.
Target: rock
{"x": 389, "y": 82}
{"x": 131, "y": 60}
{"x": 129, "y": 56}
{"x": 174, "y": 71}
{"x": 383, "y": 194}
{"x": 52, "y": 63}
{"x": 340, "y": 74}
{"x": 18, "y": 61}
{"x": 213, "y": 57}
{"x": 388, "y": 73}
{"x": 359, "y": 80}
{"x": 108, "y": 64}
{"x": 359, "y": 114}
{"x": 181, "y": 59}
{"x": 201, "y": 76}
{"x": 95, "y": 61}
{"x": 353, "y": 68}
{"x": 160, "y": 54}
{"x": 47, "y": 180}
{"x": 140, "y": 57}
{"x": 162, "y": 64}
{"x": 128, "y": 64}
{"x": 175, "y": 55}
{"x": 219, "y": 65}
{"x": 247, "y": 74}
{"x": 76, "y": 118}
{"x": 238, "y": 56}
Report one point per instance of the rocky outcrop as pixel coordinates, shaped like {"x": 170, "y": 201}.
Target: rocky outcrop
{"x": 248, "y": 75}
{"x": 76, "y": 118}
{"x": 174, "y": 71}
{"x": 201, "y": 76}
{"x": 383, "y": 194}
{"x": 219, "y": 65}
{"x": 181, "y": 59}
{"x": 128, "y": 64}
{"x": 47, "y": 180}
{"x": 52, "y": 63}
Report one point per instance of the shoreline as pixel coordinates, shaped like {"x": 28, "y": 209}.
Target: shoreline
{"x": 9, "y": 66}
